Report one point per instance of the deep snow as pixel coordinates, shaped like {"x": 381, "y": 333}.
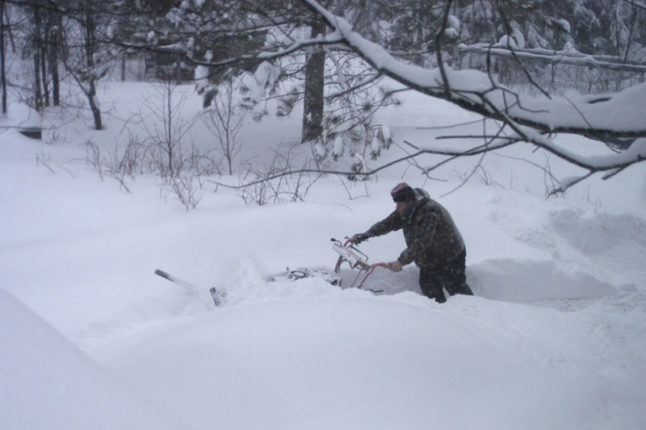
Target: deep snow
{"x": 554, "y": 337}
{"x": 47, "y": 383}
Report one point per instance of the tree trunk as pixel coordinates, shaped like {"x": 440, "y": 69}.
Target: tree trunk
{"x": 53, "y": 69}
{"x": 42, "y": 52}
{"x": 56, "y": 40}
{"x": 3, "y": 71}
{"x": 94, "y": 106}
{"x": 38, "y": 96}
{"x": 313, "y": 101}
{"x": 90, "y": 50}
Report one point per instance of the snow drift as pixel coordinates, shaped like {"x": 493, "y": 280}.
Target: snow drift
{"x": 46, "y": 383}
{"x": 355, "y": 363}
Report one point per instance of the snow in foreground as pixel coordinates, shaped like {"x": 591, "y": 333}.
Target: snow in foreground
{"x": 554, "y": 337}
{"x": 47, "y": 383}
{"x": 353, "y": 362}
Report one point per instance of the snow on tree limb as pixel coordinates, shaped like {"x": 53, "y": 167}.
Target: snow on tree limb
{"x": 620, "y": 115}
{"x": 613, "y": 117}
{"x": 561, "y": 57}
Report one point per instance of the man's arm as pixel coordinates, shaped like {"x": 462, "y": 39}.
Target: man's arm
{"x": 391, "y": 223}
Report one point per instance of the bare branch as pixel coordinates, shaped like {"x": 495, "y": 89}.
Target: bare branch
{"x": 477, "y": 150}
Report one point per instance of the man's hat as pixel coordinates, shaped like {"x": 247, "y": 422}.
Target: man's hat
{"x": 403, "y": 193}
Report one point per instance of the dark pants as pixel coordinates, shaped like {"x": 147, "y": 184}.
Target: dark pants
{"x": 450, "y": 276}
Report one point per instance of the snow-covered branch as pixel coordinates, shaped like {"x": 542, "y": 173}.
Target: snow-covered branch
{"x": 561, "y": 57}
{"x": 621, "y": 115}
{"x": 610, "y": 117}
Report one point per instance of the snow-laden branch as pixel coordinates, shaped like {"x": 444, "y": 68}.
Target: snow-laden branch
{"x": 609, "y": 117}
{"x": 618, "y": 115}
{"x": 614, "y": 117}
{"x": 560, "y": 57}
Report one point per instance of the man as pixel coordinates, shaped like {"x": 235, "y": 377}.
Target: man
{"x": 432, "y": 239}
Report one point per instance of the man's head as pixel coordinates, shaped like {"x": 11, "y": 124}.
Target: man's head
{"x": 403, "y": 195}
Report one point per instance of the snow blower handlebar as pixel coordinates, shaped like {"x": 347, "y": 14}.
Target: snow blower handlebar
{"x": 349, "y": 253}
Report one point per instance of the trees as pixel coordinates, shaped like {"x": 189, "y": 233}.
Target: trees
{"x": 425, "y": 59}
{"x": 33, "y": 27}
{"x": 88, "y": 66}
{"x": 68, "y": 33}
{"x": 420, "y": 44}
{"x": 233, "y": 42}
{"x": 611, "y": 118}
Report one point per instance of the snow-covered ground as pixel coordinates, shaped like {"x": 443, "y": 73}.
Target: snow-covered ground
{"x": 555, "y": 336}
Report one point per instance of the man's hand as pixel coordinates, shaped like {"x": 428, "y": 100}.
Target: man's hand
{"x": 395, "y": 266}
{"x": 358, "y": 238}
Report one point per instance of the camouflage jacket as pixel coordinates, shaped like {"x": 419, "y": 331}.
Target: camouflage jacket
{"x": 432, "y": 239}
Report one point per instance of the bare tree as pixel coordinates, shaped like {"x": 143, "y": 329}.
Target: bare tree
{"x": 224, "y": 120}
{"x": 167, "y": 142}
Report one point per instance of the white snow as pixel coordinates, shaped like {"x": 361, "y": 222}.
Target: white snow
{"x": 454, "y": 22}
{"x": 47, "y": 383}
{"x": 553, "y": 338}
{"x": 21, "y": 116}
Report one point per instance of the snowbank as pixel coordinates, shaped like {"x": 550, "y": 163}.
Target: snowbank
{"x": 355, "y": 363}
{"x": 47, "y": 383}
